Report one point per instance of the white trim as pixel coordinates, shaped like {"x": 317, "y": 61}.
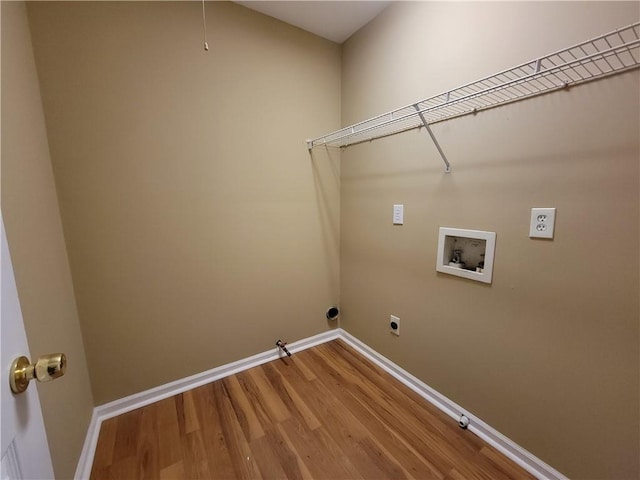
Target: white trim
{"x": 141, "y": 399}
{"x": 507, "y": 447}
{"x": 85, "y": 462}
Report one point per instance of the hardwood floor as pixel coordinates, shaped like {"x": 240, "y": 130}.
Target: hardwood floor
{"x": 324, "y": 413}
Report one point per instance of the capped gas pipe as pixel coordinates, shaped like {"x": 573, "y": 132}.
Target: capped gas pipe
{"x": 282, "y": 346}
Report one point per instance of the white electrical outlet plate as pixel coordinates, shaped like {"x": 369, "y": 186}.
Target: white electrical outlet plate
{"x": 543, "y": 221}
{"x": 394, "y": 320}
{"x": 398, "y": 214}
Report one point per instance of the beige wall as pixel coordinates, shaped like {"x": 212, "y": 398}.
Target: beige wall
{"x": 36, "y": 241}
{"x": 547, "y": 354}
{"x": 198, "y": 228}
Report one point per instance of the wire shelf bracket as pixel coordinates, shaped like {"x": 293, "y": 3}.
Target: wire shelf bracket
{"x": 447, "y": 167}
{"x": 609, "y": 54}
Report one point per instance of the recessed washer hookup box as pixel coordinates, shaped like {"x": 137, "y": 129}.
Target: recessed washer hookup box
{"x": 466, "y": 253}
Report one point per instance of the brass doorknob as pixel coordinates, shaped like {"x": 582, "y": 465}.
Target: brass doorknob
{"x": 46, "y": 368}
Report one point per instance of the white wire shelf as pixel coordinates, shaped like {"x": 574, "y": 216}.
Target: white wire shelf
{"x": 608, "y": 54}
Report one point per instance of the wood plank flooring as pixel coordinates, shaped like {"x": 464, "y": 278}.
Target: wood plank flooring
{"x": 324, "y": 413}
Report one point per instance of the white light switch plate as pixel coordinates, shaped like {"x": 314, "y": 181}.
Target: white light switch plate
{"x": 398, "y": 214}
{"x": 543, "y": 221}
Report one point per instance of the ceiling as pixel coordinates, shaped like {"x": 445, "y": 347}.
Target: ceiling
{"x": 333, "y": 20}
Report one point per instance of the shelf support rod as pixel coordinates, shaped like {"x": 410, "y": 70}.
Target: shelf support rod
{"x": 447, "y": 167}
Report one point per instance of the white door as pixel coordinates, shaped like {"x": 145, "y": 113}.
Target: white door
{"x": 23, "y": 444}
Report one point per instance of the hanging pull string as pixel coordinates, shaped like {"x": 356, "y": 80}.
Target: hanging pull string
{"x": 204, "y": 28}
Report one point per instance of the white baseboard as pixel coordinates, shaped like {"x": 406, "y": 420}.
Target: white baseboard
{"x": 85, "y": 462}
{"x": 507, "y": 447}
{"x": 141, "y": 399}
{"x": 519, "y": 455}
